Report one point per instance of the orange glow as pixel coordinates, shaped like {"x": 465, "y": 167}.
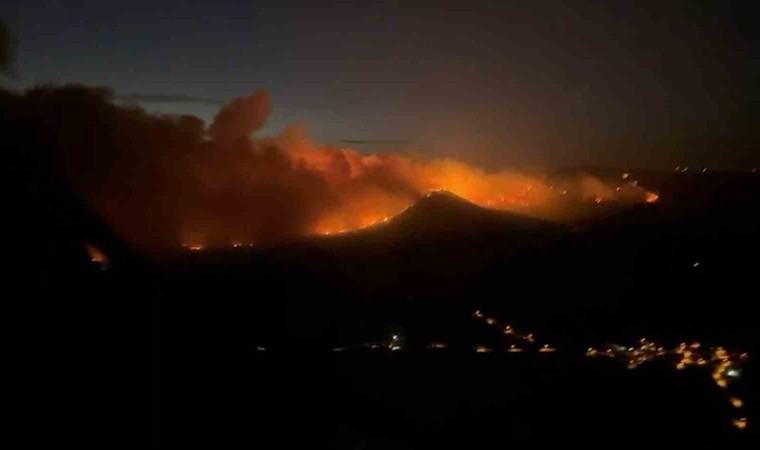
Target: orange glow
{"x": 740, "y": 423}
{"x": 96, "y": 256}
{"x": 736, "y": 402}
{"x": 212, "y": 185}
{"x": 370, "y": 189}
{"x": 267, "y": 189}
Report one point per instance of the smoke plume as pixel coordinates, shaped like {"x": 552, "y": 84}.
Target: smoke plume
{"x": 161, "y": 181}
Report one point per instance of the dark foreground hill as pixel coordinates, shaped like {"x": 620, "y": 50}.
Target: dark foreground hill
{"x": 81, "y": 313}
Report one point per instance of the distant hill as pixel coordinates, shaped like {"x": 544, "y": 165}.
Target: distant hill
{"x": 443, "y": 211}
{"x": 437, "y": 218}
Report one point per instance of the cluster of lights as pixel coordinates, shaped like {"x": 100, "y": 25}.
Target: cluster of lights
{"x": 631, "y": 356}
{"x": 723, "y": 365}
{"x": 395, "y": 343}
{"x": 513, "y": 334}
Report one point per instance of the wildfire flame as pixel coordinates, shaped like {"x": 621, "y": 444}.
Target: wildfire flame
{"x": 373, "y": 188}
{"x": 221, "y": 184}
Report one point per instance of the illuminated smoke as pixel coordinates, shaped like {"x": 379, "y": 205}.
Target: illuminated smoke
{"x": 166, "y": 181}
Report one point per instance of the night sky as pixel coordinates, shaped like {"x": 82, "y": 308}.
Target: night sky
{"x": 542, "y": 84}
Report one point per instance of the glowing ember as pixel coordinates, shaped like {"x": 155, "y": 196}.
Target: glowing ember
{"x": 651, "y": 197}
{"x": 97, "y": 256}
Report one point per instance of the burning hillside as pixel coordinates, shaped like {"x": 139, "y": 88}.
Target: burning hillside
{"x": 441, "y": 211}
{"x": 165, "y": 180}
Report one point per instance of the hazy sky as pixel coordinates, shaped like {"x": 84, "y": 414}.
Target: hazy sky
{"x": 526, "y": 83}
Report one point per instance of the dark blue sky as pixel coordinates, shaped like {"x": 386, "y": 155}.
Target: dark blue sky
{"x": 542, "y": 84}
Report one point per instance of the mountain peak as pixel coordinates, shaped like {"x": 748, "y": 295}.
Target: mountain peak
{"x": 441, "y": 198}
{"x": 444, "y": 210}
